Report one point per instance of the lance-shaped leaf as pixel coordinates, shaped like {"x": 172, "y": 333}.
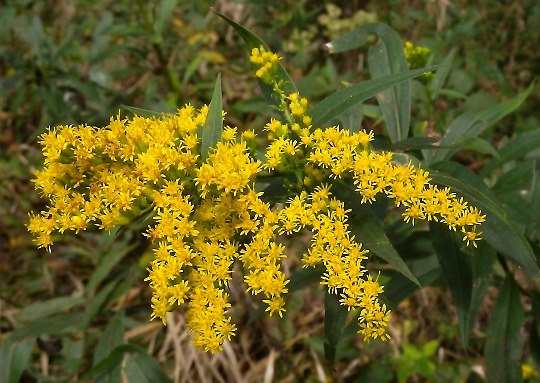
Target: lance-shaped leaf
{"x": 467, "y": 126}
{"x": 497, "y": 230}
{"x": 504, "y": 344}
{"x": 426, "y": 270}
{"x": 517, "y": 147}
{"x": 211, "y": 132}
{"x": 14, "y": 357}
{"x": 385, "y": 58}
{"x": 441, "y": 75}
{"x": 333, "y": 105}
{"x": 142, "y": 112}
{"x": 335, "y": 316}
{"x": 112, "y": 337}
{"x": 457, "y": 273}
{"x": 141, "y": 366}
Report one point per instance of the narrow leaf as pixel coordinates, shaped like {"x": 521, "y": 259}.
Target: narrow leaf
{"x": 451, "y": 140}
{"x": 457, "y": 273}
{"x": 343, "y": 99}
{"x": 211, "y": 132}
{"x": 141, "y": 112}
{"x": 97, "y": 302}
{"x": 46, "y": 308}
{"x": 112, "y": 337}
{"x": 165, "y": 11}
{"x": 415, "y": 143}
{"x": 109, "y": 258}
{"x": 335, "y": 316}
{"x": 54, "y": 325}
{"x": 518, "y": 179}
{"x": 115, "y": 359}
{"x": 385, "y": 58}
{"x": 517, "y": 147}
{"x": 143, "y": 368}
{"x": 504, "y": 344}
{"x": 468, "y": 126}
{"x": 498, "y": 231}
{"x": 14, "y": 358}
{"x": 426, "y": 270}
{"x": 482, "y": 146}
{"x": 482, "y": 267}
{"x": 441, "y": 75}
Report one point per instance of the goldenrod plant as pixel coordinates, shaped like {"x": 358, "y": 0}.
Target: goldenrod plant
{"x": 209, "y": 213}
{"x": 334, "y": 217}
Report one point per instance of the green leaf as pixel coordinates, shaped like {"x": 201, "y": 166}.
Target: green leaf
{"x": 14, "y": 358}
{"x": 517, "y": 147}
{"x": 497, "y": 230}
{"x": 457, "y": 273}
{"x": 46, "y": 308}
{"x": 497, "y": 112}
{"x": 112, "y": 337}
{"x": 482, "y": 146}
{"x": 165, "y": 11}
{"x": 254, "y": 41}
{"x": 415, "y": 143}
{"x": 467, "y": 126}
{"x": 343, "y": 99}
{"x": 335, "y": 316}
{"x": 426, "y": 270}
{"x": 368, "y": 229}
{"x": 96, "y": 303}
{"x": 517, "y": 179}
{"x": 303, "y": 277}
{"x": 141, "y": 112}
{"x": 351, "y": 119}
{"x": 109, "y": 257}
{"x": 482, "y": 266}
{"x": 504, "y": 344}
{"x": 387, "y": 57}
{"x": 211, "y": 132}
{"x": 142, "y": 368}
{"x": 145, "y": 365}
{"x": 54, "y": 325}
{"x": 451, "y": 141}
{"x": 441, "y": 75}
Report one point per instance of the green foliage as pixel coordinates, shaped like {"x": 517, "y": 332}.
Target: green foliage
{"x": 473, "y": 125}
{"x": 416, "y": 362}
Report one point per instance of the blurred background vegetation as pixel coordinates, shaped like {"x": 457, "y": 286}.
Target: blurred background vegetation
{"x": 78, "y": 62}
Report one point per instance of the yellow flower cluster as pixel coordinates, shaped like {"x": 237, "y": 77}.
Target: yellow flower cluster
{"x": 418, "y": 57}
{"x": 334, "y": 247}
{"x": 266, "y": 63}
{"x": 104, "y": 176}
{"x": 208, "y": 215}
{"x": 335, "y": 153}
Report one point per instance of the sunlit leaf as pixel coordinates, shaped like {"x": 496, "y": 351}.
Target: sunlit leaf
{"x": 333, "y": 105}
{"x": 211, "y": 132}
